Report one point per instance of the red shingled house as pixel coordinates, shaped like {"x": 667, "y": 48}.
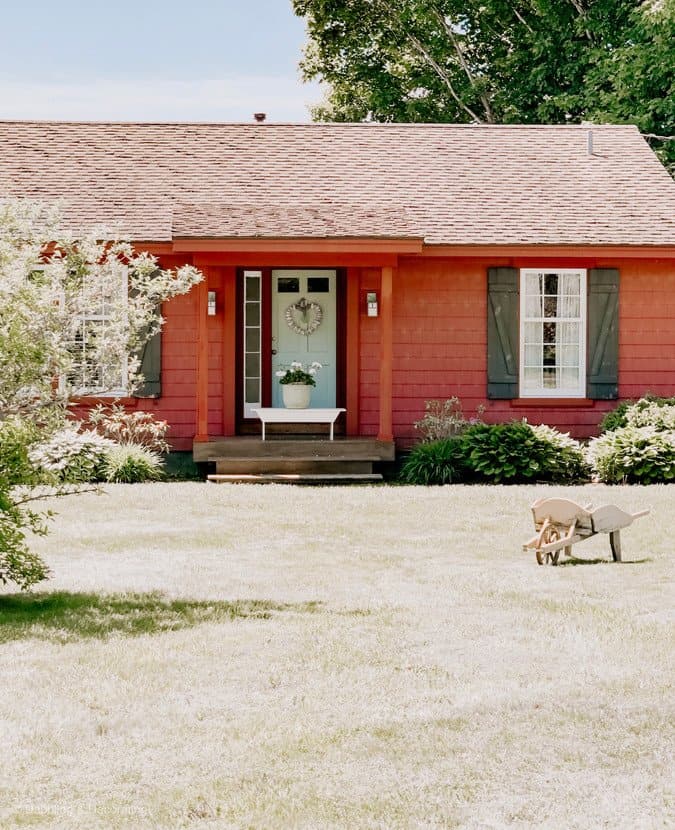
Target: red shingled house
{"x": 528, "y": 268}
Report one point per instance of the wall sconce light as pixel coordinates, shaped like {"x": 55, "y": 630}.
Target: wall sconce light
{"x": 212, "y": 304}
{"x": 371, "y": 303}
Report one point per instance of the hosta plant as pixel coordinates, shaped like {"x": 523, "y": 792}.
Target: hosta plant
{"x": 637, "y": 454}
{"x": 72, "y": 457}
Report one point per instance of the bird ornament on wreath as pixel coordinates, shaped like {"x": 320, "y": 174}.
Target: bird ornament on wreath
{"x": 304, "y": 316}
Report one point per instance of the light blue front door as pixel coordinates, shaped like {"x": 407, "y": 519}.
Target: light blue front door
{"x": 305, "y": 331}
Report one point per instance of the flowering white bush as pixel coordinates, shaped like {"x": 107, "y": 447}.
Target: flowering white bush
{"x": 52, "y": 287}
{"x": 135, "y": 428}
{"x": 72, "y": 456}
{"x": 297, "y": 373}
{"x": 74, "y": 314}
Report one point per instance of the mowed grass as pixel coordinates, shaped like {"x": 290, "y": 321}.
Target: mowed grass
{"x": 386, "y": 657}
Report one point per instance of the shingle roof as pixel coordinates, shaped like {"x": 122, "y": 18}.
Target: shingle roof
{"x": 449, "y": 184}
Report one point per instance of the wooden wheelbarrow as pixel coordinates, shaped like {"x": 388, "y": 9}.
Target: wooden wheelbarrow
{"x": 562, "y": 523}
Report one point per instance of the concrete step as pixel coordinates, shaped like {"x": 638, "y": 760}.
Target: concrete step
{"x": 295, "y": 478}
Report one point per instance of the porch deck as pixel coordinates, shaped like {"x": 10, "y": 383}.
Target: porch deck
{"x": 294, "y": 457}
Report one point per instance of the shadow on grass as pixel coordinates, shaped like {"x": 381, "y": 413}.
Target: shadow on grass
{"x": 572, "y": 560}
{"x": 65, "y": 617}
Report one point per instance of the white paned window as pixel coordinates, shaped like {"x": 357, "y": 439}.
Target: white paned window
{"x": 252, "y": 342}
{"x": 88, "y": 375}
{"x": 552, "y": 333}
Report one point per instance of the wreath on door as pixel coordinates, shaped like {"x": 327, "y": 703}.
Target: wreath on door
{"x": 304, "y": 316}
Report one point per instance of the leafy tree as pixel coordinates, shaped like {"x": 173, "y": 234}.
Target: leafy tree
{"x": 50, "y": 286}
{"x": 494, "y": 61}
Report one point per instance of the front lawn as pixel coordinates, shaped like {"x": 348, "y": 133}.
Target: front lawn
{"x": 387, "y": 657}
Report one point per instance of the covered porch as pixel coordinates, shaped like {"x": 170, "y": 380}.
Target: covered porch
{"x": 225, "y": 432}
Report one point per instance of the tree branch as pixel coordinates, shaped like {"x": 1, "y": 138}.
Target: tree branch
{"x": 387, "y": 13}
{"x": 462, "y": 61}
{"x": 443, "y": 75}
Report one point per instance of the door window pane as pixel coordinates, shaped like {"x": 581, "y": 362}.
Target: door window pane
{"x": 288, "y": 285}
{"x": 318, "y": 285}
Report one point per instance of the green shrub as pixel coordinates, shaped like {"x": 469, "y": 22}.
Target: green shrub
{"x": 517, "y": 452}
{"x": 509, "y": 453}
{"x": 16, "y": 438}
{"x": 72, "y": 457}
{"x": 563, "y": 460}
{"x": 659, "y": 414}
{"x": 647, "y": 406}
{"x": 638, "y": 454}
{"x": 615, "y": 418}
{"x": 435, "y": 462}
{"x": 131, "y": 464}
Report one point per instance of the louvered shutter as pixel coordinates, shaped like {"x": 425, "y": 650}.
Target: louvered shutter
{"x": 502, "y": 333}
{"x": 602, "y": 376}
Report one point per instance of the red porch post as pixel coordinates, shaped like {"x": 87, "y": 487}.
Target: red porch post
{"x": 202, "y": 433}
{"x": 353, "y": 349}
{"x": 386, "y": 432}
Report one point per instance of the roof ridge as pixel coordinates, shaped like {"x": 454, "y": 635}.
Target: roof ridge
{"x": 317, "y": 124}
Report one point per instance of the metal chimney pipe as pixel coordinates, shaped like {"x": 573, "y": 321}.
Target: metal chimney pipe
{"x": 260, "y": 116}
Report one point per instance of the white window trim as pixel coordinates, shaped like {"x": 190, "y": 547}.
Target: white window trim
{"x": 542, "y": 392}
{"x": 119, "y": 392}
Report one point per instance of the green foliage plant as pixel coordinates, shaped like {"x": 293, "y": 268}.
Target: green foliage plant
{"x": 17, "y": 436}
{"x": 618, "y": 417}
{"x": 71, "y": 456}
{"x": 563, "y": 458}
{"x": 634, "y": 454}
{"x": 641, "y": 447}
{"x": 517, "y": 452}
{"x": 442, "y": 461}
{"x": 131, "y": 464}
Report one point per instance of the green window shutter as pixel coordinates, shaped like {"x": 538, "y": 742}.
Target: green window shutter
{"x": 150, "y": 355}
{"x": 503, "y": 333}
{"x": 602, "y": 375}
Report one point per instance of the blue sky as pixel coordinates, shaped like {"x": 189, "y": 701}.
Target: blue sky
{"x": 152, "y": 60}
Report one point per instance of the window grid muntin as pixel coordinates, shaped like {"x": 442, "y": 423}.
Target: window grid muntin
{"x": 561, "y": 367}
{"x": 84, "y": 371}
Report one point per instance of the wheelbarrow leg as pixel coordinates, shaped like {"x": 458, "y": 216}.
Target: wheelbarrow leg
{"x": 615, "y": 544}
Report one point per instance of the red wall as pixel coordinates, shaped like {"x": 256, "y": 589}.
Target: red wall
{"x": 440, "y": 344}
{"x": 440, "y": 348}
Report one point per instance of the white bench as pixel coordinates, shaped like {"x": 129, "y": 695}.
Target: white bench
{"x": 280, "y": 415}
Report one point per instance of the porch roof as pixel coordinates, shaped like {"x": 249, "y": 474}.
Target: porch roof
{"x": 445, "y": 184}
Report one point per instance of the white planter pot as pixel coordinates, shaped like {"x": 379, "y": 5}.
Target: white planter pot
{"x": 296, "y": 395}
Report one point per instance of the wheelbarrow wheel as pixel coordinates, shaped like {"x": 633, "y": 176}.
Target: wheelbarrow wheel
{"x": 550, "y": 534}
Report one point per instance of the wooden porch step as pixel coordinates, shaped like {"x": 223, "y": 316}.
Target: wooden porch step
{"x": 354, "y": 449}
{"x": 230, "y": 466}
{"x": 295, "y": 478}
